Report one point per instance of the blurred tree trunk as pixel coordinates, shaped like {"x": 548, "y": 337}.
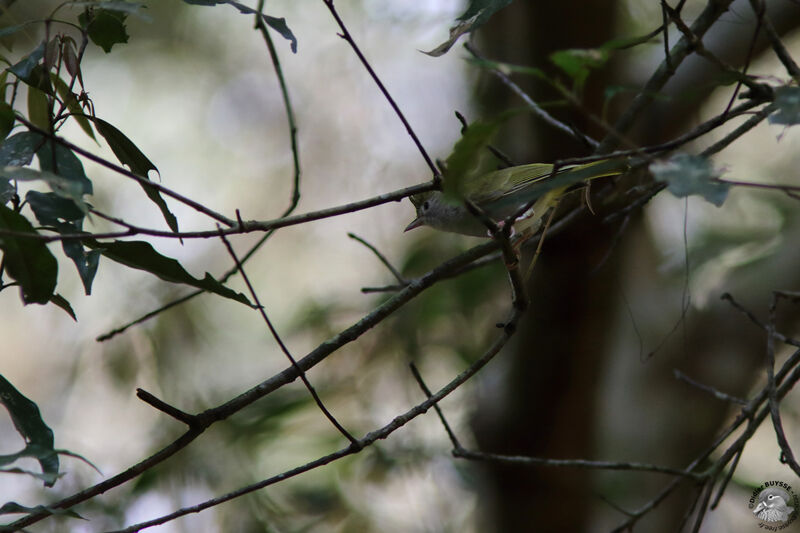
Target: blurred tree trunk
{"x": 547, "y": 399}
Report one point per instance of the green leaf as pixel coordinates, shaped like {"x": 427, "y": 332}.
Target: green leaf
{"x": 51, "y": 209}
{"x": 7, "y": 191}
{"x": 7, "y": 119}
{"x": 142, "y": 256}
{"x": 787, "y": 101}
{"x": 28, "y": 422}
{"x": 477, "y": 14}
{"x": 73, "y": 105}
{"x": 28, "y": 261}
{"x": 65, "y": 164}
{"x": 38, "y": 108}
{"x": 25, "y": 66}
{"x": 106, "y": 27}
{"x": 687, "y": 175}
{"x": 18, "y": 150}
{"x": 128, "y": 154}
{"x": 577, "y": 63}
{"x": 463, "y": 164}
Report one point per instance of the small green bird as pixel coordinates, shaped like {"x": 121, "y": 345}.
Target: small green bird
{"x": 501, "y": 193}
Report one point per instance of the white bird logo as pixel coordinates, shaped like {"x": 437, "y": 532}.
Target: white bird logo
{"x": 772, "y": 505}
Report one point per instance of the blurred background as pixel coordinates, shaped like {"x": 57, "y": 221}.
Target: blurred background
{"x": 590, "y": 374}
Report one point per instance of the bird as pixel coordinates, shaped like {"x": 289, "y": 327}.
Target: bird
{"x": 502, "y": 193}
{"x": 772, "y": 506}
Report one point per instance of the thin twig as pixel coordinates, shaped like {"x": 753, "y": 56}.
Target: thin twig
{"x": 396, "y": 273}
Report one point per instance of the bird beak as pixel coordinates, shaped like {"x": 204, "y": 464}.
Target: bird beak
{"x": 417, "y": 222}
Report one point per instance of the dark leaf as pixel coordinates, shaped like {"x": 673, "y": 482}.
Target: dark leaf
{"x": 62, "y": 302}
{"x": 47, "y": 478}
{"x": 142, "y": 256}
{"x": 28, "y": 421}
{"x": 687, "y": 175}
{"x": 18, "y": 150}
{"x": 28, "y": 261}
{"x": 62, "y": 186}
{"x": 25, "y": 66}
{"x": 7, "y": 191}
{"x": 65, "y": 164}
{"x": 277, "y": 24}
{"x": 477, "y": 14}
{"x": 128, "y": 154}
{"x": 106, "y": 27}
{"x": 14, "y": 507}
{"x": 6, "y": 120}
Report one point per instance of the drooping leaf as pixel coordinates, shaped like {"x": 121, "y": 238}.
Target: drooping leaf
{"x": 51, "y": 209}
{"x": 106, "y": 27}
{"x": 142, "y": 256}
{"x": 18, "y": 150}
{"x": 687, "y": 174}
{"x": 73, "y": 105}
{"x": 38, "y": 108}
{"x": 65, "y": 164}
{"x": 46, "y": 478}
{"x": 6, "y": 120}
{"x": 130, "y": 155}
{"x": 28, "y": 421}
{"x": 27, "y": 260}
{"x": 277, "y": 24}
{"x": 787, "y": 101}
{"x": 477, "y": 14}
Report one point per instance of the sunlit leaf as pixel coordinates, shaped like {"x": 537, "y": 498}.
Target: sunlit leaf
{"x": 578, "y": 63}
{"x": 28, "y": 421}
{"x": 27, "y": 260}
{"x": 463, "y": 163}
{"x": 687, "y": 175}
{"x": 142, "y": 256}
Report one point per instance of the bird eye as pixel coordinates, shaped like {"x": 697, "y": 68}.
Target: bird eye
{"x": 426, "y": 205}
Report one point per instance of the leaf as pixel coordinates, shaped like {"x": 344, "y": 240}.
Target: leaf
{"x": 25, "y": 66}
{"x": 105, "y": 27}
{"x": 477, "y": 14}
{"x": 63, "y": 215}
{"x": 47, "y": 478}
{"x": 130, "y": 155}
{"x": 28, "y": 261}
{"x": 277, "y": 24}
{"x": 7, "y": 191}
{"x": 10, "y": 30}
{"x": 14, "y": 507}
{"x": 60, "y": 185}
{"x": 38, "y": 108}
{"x": 28, "y": 421}
{"x": 65, "y": 164}
{"x": 464, "y": 162}
{"x": 62, "y": 302}
{"x": 687, "y": 175}
{"x": 577, "y": 63}
{"x": 18, "y": 150}
{"x": 787, "y": 101}
{"x": 73, "y": 105}
{"x": 142, "y": 256}
{"x": 7, "y": 120}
